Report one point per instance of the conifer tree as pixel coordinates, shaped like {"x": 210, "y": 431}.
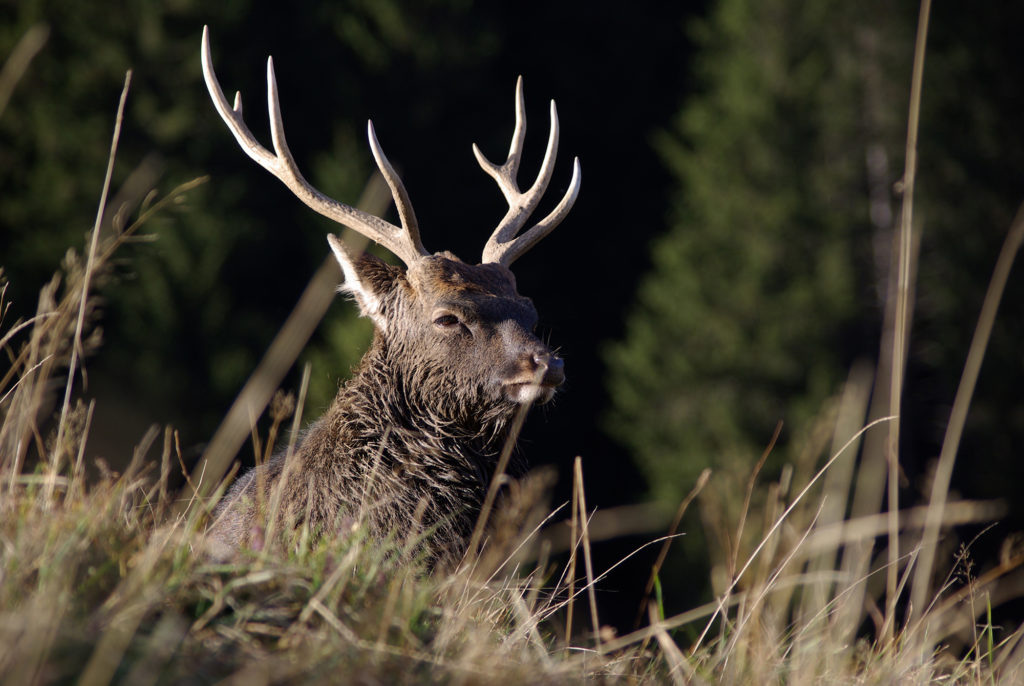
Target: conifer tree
{"x": 750, "y": 313}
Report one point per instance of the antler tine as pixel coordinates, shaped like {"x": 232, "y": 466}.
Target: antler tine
{"x": 508, "y": 253}
{"x": 406, "y": 215}
{"x": 403, "y": 241}
{"x": 515, "y": 149}
{"x": 504, "y": 247}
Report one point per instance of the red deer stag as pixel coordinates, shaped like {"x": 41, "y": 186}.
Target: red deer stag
{"x": 410, "y": 443}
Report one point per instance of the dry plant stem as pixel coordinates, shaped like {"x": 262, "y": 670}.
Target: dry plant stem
{"x": 943, "y": 618}
{"x": 702, "y": 481}
{"x": 289, "y": 465}
{"x": 669, "y": 623}
{"x": 571, "y": 567}
{"x": 526, "y": 540}
{"x": 871, "y": 475}
{"x": 54, "y": 318}
{"x": 26, "y": 375}
{"x": 28, "y": 323}
{"x": 282, "y": 353}
{"x": 600, "y": 577}
{"x": 78, "y": 473}
{"x": 18, "y": 61}
{"x": 76, "y": 344}
{"x": 1010, "y": 650}
{"x": 831, "y": 536}
{"x": 150, "y": 211}
{"x": 537, "y": 576}
{"x": 387, "y": 615}
{"x": 853, "y": 408}
{"x": 591, "y": 591}
{"x": 165, "y": 471}
{"x": 902, "y": 300}
{"x": 498, "y": 477}
{"x": 181, "y": 465}
{"x": 673, "y": 656}
{"x": 958, "y": 414}
{"x": 254, "y": 437}
{"x": 15, "y": 436}
{"x": 769, "y": 585}
{"x": 735, "y": 552}
{"x": 612, "y": 522}
{"x": 778, "y": 522}
{"x": 528, "y": 626}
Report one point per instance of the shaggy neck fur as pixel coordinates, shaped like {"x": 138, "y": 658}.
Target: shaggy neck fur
{"x": 417, "y": 467}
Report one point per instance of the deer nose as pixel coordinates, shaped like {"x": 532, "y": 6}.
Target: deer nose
{"x": 553, "y": 367}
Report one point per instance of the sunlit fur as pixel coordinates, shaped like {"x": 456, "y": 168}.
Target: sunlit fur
{"x": 411, "y": 441}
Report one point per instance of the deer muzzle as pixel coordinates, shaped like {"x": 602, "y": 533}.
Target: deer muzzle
{"x": 545, "y": 372}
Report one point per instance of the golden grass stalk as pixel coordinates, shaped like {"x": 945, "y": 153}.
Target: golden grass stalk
{"x": 90, "y": 263}
{"x": 958, "y": 414}
{"x": 769, "y": 537}
{"x": 581, "y": 500}
{"x": 901, "y": 334}
{"x": 17, "y": 63}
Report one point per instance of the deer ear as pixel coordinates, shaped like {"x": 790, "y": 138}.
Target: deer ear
{"x": 367, "y": 280}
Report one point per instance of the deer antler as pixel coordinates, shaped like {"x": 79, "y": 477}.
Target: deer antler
{"x": 504, "y": 246}
{"x": 403, "y": 241}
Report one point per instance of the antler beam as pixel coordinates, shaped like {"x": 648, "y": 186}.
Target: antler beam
{"x": 403, "y": 241}
{"x": 505, "y": 246}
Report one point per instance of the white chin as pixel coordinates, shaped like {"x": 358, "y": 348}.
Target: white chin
{"x": 529, "y": 393}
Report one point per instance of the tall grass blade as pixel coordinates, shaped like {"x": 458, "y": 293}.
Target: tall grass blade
{"x": 902, "y": 299}
{"x": 76, "y": 343}
{"x": 958, "y": 414}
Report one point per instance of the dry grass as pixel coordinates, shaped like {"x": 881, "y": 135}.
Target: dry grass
{"x": 102, "y": 580}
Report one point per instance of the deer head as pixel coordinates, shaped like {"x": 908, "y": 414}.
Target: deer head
{"x": 460, "y": 335}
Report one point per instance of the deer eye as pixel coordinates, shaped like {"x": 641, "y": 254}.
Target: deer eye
{"x": 446, "y": 321}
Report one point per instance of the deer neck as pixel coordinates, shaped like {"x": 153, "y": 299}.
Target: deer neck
{"x": 380, "y": 409}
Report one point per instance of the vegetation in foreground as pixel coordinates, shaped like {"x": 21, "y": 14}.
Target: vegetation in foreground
{"x": 103, "y": 580}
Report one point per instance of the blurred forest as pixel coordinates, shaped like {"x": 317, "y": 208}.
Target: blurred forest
{"x": 726, "y": 265}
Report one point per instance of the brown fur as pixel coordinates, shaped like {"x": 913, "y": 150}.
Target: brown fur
{"x": 410, "y": 443}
